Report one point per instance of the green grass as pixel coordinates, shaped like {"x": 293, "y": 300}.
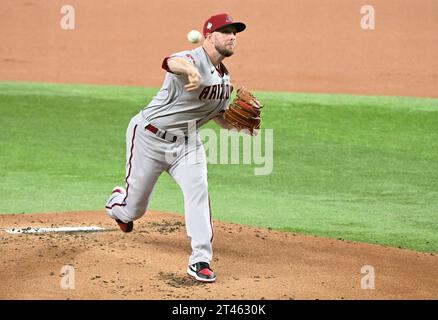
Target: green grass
{"x": 353, "y": 167}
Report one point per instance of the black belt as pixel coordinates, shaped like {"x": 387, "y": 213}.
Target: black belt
{"x": 163, "y": 134}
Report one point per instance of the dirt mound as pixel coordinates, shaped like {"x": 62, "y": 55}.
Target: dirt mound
{"x": 150, "y": 263}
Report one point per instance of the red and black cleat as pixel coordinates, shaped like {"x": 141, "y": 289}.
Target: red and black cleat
{"x": 201, "y": 271}
{"x": 125, "y": 227}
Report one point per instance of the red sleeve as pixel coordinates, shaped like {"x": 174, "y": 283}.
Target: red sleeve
{"x": 187, "y": 56}
{"x": 165, "y": 66}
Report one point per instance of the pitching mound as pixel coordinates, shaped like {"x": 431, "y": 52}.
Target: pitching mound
{"x": 150, "y": 263}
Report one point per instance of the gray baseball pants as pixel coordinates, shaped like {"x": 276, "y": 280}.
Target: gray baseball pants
{"x": 147, "y": 156}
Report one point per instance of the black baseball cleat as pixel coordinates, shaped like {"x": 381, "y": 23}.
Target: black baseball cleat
{"x": 201, "y": 271}
{"x": 125, "y": 227}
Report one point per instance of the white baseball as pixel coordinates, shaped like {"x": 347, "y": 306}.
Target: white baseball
{"x": 194, "y": 36}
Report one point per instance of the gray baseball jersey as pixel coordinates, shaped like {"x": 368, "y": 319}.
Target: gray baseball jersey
{"x": 173, "y": 107}
{"x": 170, "y": 111}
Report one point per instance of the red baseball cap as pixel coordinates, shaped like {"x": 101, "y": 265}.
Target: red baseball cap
{"x": 221, "y": 20}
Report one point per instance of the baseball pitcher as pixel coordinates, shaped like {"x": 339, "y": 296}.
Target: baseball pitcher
{"x": 196, "y": 89}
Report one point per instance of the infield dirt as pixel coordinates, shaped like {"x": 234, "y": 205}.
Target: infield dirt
{"x": 298, "y": 46}
{"x": 150, "y": 263}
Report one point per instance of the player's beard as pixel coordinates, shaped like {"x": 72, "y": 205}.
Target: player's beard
{"x": 223, "y": 50}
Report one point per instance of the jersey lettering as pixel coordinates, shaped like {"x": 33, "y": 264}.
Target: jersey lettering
{"x": 216, "y": 91}
{"x": 213, "y": 92}
{"x": 204, "y": 93}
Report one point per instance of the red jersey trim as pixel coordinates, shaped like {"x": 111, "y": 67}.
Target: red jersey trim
{"x": 165, "y": 66}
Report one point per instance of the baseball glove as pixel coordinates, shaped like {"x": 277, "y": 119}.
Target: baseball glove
{"x": 244, "y": 112}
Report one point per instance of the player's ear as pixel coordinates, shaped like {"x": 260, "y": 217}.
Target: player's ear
{"x": 208, "y": 36}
